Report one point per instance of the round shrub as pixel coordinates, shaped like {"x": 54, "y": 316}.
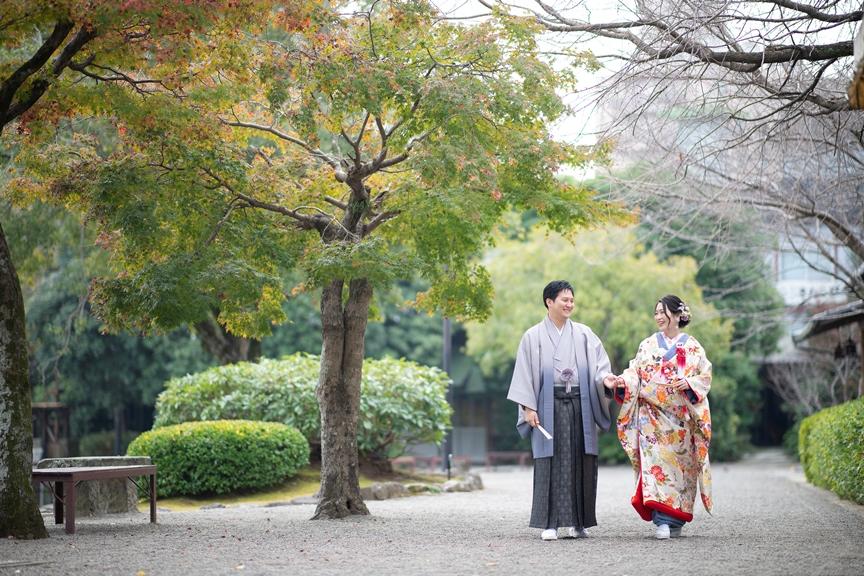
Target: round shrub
{"x": 222, "y": 456}
{"x": 401, "y": 402}
{"x": 831, "y": 447}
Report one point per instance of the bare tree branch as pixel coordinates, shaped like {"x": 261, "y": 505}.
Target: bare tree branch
{"x": 15, "y": 80}
{"x": 813, "y": 12}
{"x": 303, "y": 220}
{"x": 314, "y": 152}
{"x": 378, "y": 220}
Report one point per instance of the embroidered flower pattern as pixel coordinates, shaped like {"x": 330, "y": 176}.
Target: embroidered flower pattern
{"x": 666, "y": 435}
{"x": 657, "y": 472}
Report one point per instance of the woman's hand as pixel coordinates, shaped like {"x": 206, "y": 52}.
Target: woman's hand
{"x": 531, "y": 417}
{"x": 680, "y": 384}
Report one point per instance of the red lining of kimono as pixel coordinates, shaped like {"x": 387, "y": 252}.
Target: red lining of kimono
{"x": 644, "y": 508}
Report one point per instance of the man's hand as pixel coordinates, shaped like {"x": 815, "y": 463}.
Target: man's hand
{"x": 531, "y": 417}
{"x": 611, "y": 381}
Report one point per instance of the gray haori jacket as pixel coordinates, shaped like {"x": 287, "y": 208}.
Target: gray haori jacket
{"x": 544, "y": 353}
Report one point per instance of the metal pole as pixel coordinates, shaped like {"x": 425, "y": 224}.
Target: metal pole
{"x": 448, "y": 439}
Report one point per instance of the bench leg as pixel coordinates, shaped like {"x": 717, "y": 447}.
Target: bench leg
{"x": 58, "y": 502}
{"x": 153, "y": 498}
{"x": 70, "y": 507}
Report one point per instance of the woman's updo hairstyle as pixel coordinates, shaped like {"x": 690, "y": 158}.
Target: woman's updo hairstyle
{"x": 675, "y": 305}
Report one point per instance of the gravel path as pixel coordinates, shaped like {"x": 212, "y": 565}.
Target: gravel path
{"x": 767, "y": 521}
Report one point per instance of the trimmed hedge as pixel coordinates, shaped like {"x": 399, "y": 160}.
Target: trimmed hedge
{"x": 222, "y": 456}
{"x": 831, "y": 447}
{"x": 401, "y": 402}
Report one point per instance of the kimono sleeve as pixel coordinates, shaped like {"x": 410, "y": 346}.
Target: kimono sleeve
{"x": 602, "y": 367}
{"x": 631, "y": 376}
{"x": 522, "y": 384}
{"x": 700, "y": 380}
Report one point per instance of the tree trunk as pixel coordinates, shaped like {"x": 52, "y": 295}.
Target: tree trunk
{"x": 226, "y": 348}
{"x": 344, "y": 331}
{"x": 19, "y": 511}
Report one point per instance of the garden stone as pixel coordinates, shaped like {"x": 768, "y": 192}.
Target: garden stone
{"x": 470, "y": 483}
{"x": 306, "y": 500}
{"x": 420, "y": 488}
{"x": 474, "y": 481}
{"x": 383, "y": 491}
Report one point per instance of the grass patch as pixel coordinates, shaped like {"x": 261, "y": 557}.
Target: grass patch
{"x": 305, "y": 483}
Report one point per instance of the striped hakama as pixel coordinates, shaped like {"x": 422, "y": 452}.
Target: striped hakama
{"x": 565, "y": 485}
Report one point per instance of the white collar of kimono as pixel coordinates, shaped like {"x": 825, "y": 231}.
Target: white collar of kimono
{"x": 673, "y": 341}
{"x": 560, "y": 329}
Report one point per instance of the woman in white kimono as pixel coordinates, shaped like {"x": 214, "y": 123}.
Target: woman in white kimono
{"x": 665, "y": 422}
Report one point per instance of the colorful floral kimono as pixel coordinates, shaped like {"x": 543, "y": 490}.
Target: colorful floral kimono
{"x": 666, "y": 432}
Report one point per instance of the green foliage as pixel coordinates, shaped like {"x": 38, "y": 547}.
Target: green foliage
{"x": 610, "y": 450}
{"x": 405, "y": 333}
{"x": 72, "y": 359}
{"x": 617, "y": 284}
{"x": 831, "y": 447}
{"x": 401, "y": 402}
{"x": 735, "y": 402}
{"x": 395, "y": 329}
{"x": 202, "y": 458}
{"x": 102, "y": 443}
{"x": 790, "y": 440}
{"x": 270, "y": 390}
{"x": 370, "y": 259}
{"x": 150, "y": 39}
{"x": 38, "y": 235}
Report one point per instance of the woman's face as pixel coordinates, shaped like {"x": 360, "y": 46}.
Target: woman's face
{"x": 664, "y": 318}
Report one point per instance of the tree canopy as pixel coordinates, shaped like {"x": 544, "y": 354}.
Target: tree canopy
{"x": 382, "y": 145}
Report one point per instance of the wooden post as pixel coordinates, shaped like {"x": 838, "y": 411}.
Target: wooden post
{"x": 153, "y": 497}
{"x": 58, "y": 502}
{"x": 70, "y": 506}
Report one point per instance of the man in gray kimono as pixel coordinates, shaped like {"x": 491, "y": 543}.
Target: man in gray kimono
{"x": 558, "y": 383}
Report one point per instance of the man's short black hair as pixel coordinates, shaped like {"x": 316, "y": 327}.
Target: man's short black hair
{"x": 554, "y": 288}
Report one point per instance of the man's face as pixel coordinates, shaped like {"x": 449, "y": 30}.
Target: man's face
{"x": 562, "y": 306}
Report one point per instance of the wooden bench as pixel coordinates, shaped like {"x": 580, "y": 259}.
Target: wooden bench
{"x": 408, "y": 463}
{"x": 521, "y": 458}
{"x": 65, "y": 481}
{"x": 431, "y": 463}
